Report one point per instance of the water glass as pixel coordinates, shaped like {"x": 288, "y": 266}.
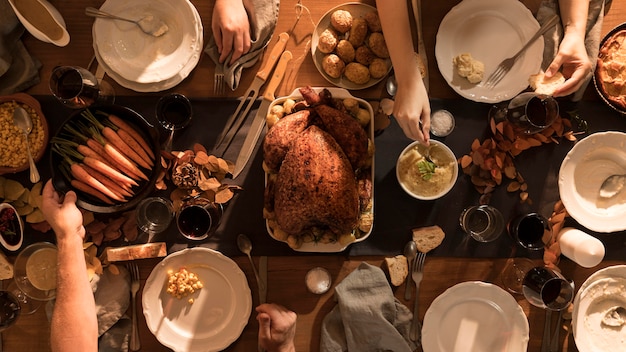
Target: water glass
{"x": 548, "y": 289}
{"x": 173, "y": 112}
{"x": 78, "y": 88}
{"x": 154, "y": 215}
{"x": 531, "y": 231}
{"x": 198, "y": 218}
{"x": 483, "y": 223}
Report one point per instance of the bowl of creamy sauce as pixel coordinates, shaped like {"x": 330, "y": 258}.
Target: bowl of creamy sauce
{"x": 427, "y": 172}
{"x": 42, "y": 20}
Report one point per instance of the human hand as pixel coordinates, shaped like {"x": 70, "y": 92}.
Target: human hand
{"x": 61, "y": 213}
{"x": 231, "y": 29}
{"x": 572, "y": 57}
{"x": 412, "y": 108}
{"x": 277, "y": 327}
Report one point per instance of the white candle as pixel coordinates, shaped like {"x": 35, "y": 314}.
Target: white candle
{"x": 584, "y": 249}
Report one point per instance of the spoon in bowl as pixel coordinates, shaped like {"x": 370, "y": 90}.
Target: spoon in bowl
{"x": 22, "y": 121}
{"x": 410, "y": 251}
{"x": 148, "y": 24}
{"x": 612, "y": 186}
{"x": 615, "y": 316}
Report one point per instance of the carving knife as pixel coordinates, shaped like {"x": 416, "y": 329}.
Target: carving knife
{"x": 259, "y": 120}
{"x": 236, "y": 120}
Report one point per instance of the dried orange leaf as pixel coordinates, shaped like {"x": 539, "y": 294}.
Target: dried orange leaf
{"x": 475, "y": 144}
{"x": 210, "y": 183}
{"x": 201, "y": 158}
{"x": 466, "y": 160}
{"x": 500, "y": 127}
{"x": 523, "y": 196}
{"x": 523, "y": 186}
{"x": 513, "y": 186}
{"x": 492, "y": 125}
{"x": 477, "y": 158}
{"x": 224, "y": 195}
{"x": 510, "y": 171}
{"x": 197, "y": 148}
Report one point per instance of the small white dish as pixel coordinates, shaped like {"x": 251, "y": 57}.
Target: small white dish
{"x": 42, "y": 20}
{"x": 6, "y": 244}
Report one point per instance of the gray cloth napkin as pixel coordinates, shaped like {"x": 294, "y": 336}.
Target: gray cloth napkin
{"x": 367, "y": 317}
{"x": 553, "y": 37}
{"x": 262, "y": 15}
{"x": 18, "y": 70}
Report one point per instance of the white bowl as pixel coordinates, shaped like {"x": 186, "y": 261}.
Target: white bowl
{"x": 441, "y": 155}
{"x": 43, "y": 9}
{"x": 583, "y": 170}
{"x": 5, "y": 244}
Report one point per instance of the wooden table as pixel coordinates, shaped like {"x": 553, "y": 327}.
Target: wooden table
{"x": 286, "y": 274}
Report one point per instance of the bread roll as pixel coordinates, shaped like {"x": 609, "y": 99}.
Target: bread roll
{"x": 542, "y": 85}
{"x": 398, "y": 269}
{"x": 6, "y": 268}
{"x": 428, "y": 238}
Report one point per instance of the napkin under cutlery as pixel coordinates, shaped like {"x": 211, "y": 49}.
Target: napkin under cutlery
{"x": 262, "y": 15}
{"x": 367, "y": 316}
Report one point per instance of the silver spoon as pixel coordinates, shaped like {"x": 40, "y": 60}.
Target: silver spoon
{"x": 392, "y": 85}
{"x": 612, "y": 186}
{"x": 22, "y": 121}
{"x": 410, "y": 251}
{"x": 148, "y": 24}
{"x": 615, "y": 316}
{"x": 245, "y": 246}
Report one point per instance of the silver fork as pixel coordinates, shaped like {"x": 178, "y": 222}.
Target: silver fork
{"x": 417, "y": 274}
{"x": 218, "y": 80}
{"x": 135, "y": 345}
{"x": 505, "y": 66}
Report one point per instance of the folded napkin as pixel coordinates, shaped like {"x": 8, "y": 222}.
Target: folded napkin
{"x": 18, "y": 70}
{"x": 553, "y": 37}
{"x": 367, "y": 317}
{"x": 262, "y": 15}
{"x": 112, "y": 300}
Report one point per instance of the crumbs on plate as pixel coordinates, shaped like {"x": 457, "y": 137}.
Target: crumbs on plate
{"x": 182, "y": 283}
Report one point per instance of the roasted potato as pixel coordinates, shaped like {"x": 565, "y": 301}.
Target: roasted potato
{"x": 357, "y": 73}
{"x": 333, "y": 65}
{"x": 328, "y": 41}
{"x": 341, "y": 20}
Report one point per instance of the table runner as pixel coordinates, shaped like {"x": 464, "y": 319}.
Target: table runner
{"x": 396, "y": 213}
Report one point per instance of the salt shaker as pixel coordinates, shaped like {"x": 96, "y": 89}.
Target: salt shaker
{"x": 584, "y": 249}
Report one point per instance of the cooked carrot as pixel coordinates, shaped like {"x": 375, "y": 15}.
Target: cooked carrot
{"x": 99, "y": 148}
{"x": 86, "y": 151}
{"x": 126, "y": 137}
{"x": 110, "y": 184}
{"x": 112, "y": 137}
{"x": 128, "y": 128}
{"x": 83, "y": 187}
{"x": 80, "y": 174}
{"x": 109, "y": 171}
{"x": 122, "y": 160}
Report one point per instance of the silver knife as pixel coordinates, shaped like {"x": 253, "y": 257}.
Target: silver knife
{"x": 263, "y": 278}
{"x": 259, "y": 120}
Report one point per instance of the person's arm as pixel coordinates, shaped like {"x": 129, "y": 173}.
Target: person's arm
{"x": 277, "y": 328}
{"x": 411, "y": 105}
{"x": 74, "y": 324}
{"x": 572, "y": 55}
{"x": 231, "y": 29}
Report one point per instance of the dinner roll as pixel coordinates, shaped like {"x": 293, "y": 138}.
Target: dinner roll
{"x": 398, "y": 269}
{"x": 428, "y": 238}
{"x": 542, "y": 85}
{"x": 6, "y": 268}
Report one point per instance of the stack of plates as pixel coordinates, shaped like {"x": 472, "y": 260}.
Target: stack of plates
{"x": 142, "y": 62}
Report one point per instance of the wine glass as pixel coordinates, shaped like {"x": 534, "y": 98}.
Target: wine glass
{"x": 78, "y": 88}
{"x": 173, "y": 112}
{"x": 528, "y": 112}
{"x": 548, "y": 289}
{"x": 27, "y": 304}
{"x": 531, "y": 231}
{"x": 9, "y": 309}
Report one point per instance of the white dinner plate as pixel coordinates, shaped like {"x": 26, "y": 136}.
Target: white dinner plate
{"x": 334, "y": 247}
{"x": 475, "y": 316}
{"x": 601, "y": 291}
{"x": 491, "y": 31}
{"x": 220, "y": 310}
{"x": 140, "y": 57}
{"x": 582, "y": 172}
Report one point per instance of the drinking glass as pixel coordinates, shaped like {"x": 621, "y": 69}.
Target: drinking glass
{"x": 173, "y": 112}
{"x": 78, "y": 88}
{"x": 528, "y": 112}
{"x": 27, "y": 304}
{"x": 9, "y": 309}
{"x": 483, "y": 223}
{"x": 198, "y": 218}
{"x": 548, "y": 289}
{"x": 154, "y": 215}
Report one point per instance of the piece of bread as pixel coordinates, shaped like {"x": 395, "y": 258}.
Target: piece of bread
{"x": 542, "y": 85}
{"x": 398, "y": 269}
{"x": 428, "y": 238}
{"x": 6, "y": 268}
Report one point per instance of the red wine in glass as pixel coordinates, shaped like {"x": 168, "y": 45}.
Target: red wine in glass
{"x": 9, "y": 309}
{"x": 78, "y": 88}
{"x": 531, "y": 231}
{"x": 528, "y": 112}
{"x": 173, "y": 112}
{"x": 198, "y": 218}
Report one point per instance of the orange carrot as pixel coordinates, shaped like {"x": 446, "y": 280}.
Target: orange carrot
{"x": 80, "y": 174}
{"x": 99, "y": 148}
{"x": 122, "y": 160}
{"x": 126, "y": 137}
{"x": 126, "y": 127}
{"x": 110, "y": 184}
{"x": 83, "y": 187}
{"x": 112, "y": 137}
{"x": 109, "y": 171}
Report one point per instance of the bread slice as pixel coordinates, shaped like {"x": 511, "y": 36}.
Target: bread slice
{"x": 398, "y": 269}
{"x": 428, "y": 238}
{"x": 542, "y": 85}
{"x": 6, "y": 268}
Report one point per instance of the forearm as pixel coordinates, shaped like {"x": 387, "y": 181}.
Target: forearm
{"x": 74, "y": 322}
{"x": 574, "y": 16}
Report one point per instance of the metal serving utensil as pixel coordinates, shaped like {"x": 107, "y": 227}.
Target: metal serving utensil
{"x": 22, "y": 121}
